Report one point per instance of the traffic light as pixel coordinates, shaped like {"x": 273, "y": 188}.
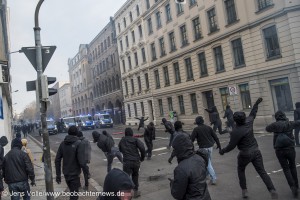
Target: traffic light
{"x": 46, "y": 92}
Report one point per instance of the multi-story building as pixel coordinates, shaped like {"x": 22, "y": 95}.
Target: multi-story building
{"x": 131, "y": 39}
{"x": 65, "y": 100}
{"x": 104, "y": 64}
{"x": 206, "y": 53}
{"x": 80, "y": 79}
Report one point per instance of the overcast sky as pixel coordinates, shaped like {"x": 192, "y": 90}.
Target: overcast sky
{"x": 65, "y": 24}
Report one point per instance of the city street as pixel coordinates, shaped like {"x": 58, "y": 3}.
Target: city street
{"x": 154, "y": 174}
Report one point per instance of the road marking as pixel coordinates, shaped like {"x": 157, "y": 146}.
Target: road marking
{"x": 277, "y": 171}
{"x": 162, "y": 154}
{"x": 160, "y": 149}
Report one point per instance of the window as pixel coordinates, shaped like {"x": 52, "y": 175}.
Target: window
{"x": 181, "y": 104}
{"x": 281, "y": 94}
{"x": 133, "y": 36}
{"x": 117, "y": 81}
{"x": 143, "y": 54}
{"x": 194, "y": 103}
{"x": 179, "y": 8}
{"x": 130, "y": 16}
{"x": 219, "y": 59}
{"x": 147, "y": 81}
{"x": 162, "y": 47}
{"x": 271, "y": 42}
{"x": 137, "y": 10}
{"x": 158, "y": 20}
{"x": 108, "y": 41}
{"x": 177, "y": 72}
{"x": 161, "y": 108}
{"x": 153, "y": 51}
{"x": 136, "y": 59}
{"x": 124, "y": 21}
{"x": 184, "y": 37}
{"x": 119, "y": 27}
{"x": 197, "y": 28}
{"x": 102, "y": 49}
{"x": 170, "y": 104}
{"x": 121, "y": 45}
{"x": 172, "y": 41}
{"x": 202, "y": 64}
{"x": 129, "y": 111}
{"x": 166, "y": 76}
{"x": 148, "y": 4}
{"x": 140, "y": 31}
{"x": 262, "y": 4}
{"x": 168, "y": 12}
{"x": 238, "y": 53}
{"x": 129, "y": 62}
{"x": 105, "y": 45}
{"x": 189, "y": 69}
{"x": 245, "y": 96}
{"x": 224, "y": 97}
{"x": 212, "y": 20}
{"x": 127, "y": 42}
{"x": 142, "y": 108}
{"x": 150, "y": 29}
{"x": 132, "y": 86}
{"x": 192, "y": 2}
{"x": 135, "y": 109}
{"x": 231, "y": 13}
{"x": 126, "y": 87}
{"x": 139, "y": 83}
{"x": 124, "y": 67}
{"x": 157, "y": 81}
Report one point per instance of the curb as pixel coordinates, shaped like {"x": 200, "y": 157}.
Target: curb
{"x": 93, "y": 183}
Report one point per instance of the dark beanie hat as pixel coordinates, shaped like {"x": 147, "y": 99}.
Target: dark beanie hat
{"x": 280, "y": 116}
{"x": 128, "y": 132}
{"x": 199, "y": 120}
{"x": 73, "y": 130}
{"x": 80, "y": 134}
{"x": 16, "y": 143}
{"x": 239, "y": 118}
{"x": 96, "y": 136}
{"x": 178, "y": 125}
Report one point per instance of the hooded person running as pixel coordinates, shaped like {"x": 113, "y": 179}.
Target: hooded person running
{"x": 215, "y": 119}
{"x": 169, "y": 129}
{"x": 87, "y": 155}
{"x": 149, "y": 136}
{"x": 229, "y": 115}
{"x": 142, "y": 122}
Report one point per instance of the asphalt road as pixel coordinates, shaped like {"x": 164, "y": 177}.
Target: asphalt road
{"x": 154, "y": 174}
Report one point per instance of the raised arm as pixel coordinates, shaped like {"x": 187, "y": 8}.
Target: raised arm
{"x": 255, "y": 108}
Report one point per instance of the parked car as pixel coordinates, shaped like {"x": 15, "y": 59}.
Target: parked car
{"x": 51, "y": 127}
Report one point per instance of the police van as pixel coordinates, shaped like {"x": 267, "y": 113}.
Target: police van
{"x": 103, "y": 119}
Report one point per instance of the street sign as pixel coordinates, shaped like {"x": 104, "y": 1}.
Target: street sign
{"x": 47, "y": 52}
{"x": 232, "y": 90}
{"x": 30, "y": 85}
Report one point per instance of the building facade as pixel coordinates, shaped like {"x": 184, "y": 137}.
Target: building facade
{"x": 105, "y": 68}
{"x": 206, "y": 53}
{"x": 80, "y": 82}
{"x": 65, "y": 99}
{"x": 54, "y": 110}
{"x": 134, "y": 61}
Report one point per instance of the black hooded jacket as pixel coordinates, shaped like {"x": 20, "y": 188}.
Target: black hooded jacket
{"x": 205, "y": 136}
{"x": 282, "y": 125}
{"x": 3, "y": 143}
{"x": 190, "y": 174}
{"x": 214, "y": 115}
{"x": 17, "y": 166}
{"x": 116, "y": 180}
{"x": 297, "y": 112}
{"x": 130, "y": 147}
{"x": 228, "y": 114}
{"x": 242, "y": 135}
{"x": 149, "y": 133}
{"x": 142, "y": 121}
{"x": 70, "y": 150}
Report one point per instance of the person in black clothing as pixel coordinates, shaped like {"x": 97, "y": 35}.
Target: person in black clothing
{"x": 229, "y": 115}
{"x": 87, "y": 156}
{"x": 70, "y": 150}
{"x": 106, "y": 143}
{"x": 24, "y": 130}
{"x": 170, "y": 129}
{"x": 149, "y": 136}
{"x": 18, "y": 137}
{"x": 142, "y": 122}
{"x": 242, "y": 136}
{"x": 297, "y": 117}
{"x": 206, "y": 139}
{"x": 286, "y": 153}
{"x": 215, "y": 119}
{"x": 130, "y": 148}
{"x": 190, "y": 174}
{"x": 17, "y": 168}
{"x": 3, "y": 143}
{"x": 117, "y": 181}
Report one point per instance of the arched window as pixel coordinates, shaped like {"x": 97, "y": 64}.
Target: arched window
{"x": 99, "y": 89}
{"x": 109, "y": 85}
{"x": 113, "y": 83}
{"x": 106, "y": 87}
{"x": 103, "y": 88}
{"x": 117, "y": 82}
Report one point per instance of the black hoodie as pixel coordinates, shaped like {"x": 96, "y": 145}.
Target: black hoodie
{"x": 116, "y": 180}
{"x": 297, "y": 112}
{"x": 214, "y": 115}
{"x": 70, "y": 151}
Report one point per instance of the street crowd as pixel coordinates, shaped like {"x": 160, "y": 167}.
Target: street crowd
{"x": 194, "y": 164}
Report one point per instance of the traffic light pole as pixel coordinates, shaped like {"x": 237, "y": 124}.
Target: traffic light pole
{"x": 43, "y": 104}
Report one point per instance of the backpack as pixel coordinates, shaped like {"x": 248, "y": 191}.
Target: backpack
{"x": 283, "y": 141}
{"x": 204, "y": 154}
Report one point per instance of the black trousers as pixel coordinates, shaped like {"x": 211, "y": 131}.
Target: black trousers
{"x": 286, "y": 158}
{"x": 86, "y": 175}
{"x": 256, "y": 159}
{"x": 73, "y": 183}
{"x": 132, "y": 169}
{"x": 149, "y": 144}
{"x": 297, "y": 130}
